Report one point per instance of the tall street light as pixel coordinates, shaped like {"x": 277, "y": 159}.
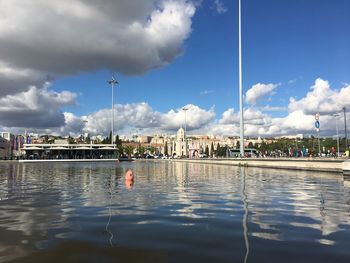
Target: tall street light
{"x": 240, "y": 81}
{"x": 346, "y": 133}
{"x": 112, "y": 82}
{"x": 336, "y": 115}
{"x": 185, "y": 110}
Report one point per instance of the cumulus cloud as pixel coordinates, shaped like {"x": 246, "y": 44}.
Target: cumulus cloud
{"x": 141, "y": 116}
{"x": 255, "y": 122}
{"x": 135, "y": 116}
{"x": 44, "y": 40}
{"x": 258, "y": 91}
{"x": 36, "y": 107}
{"x": 322, "y": 99}
{"x": 194, "y": 118}
{"x": 273, "y": 108}
{"x": 54, "y": 38}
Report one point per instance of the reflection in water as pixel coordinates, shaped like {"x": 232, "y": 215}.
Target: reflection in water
{"x": 110, "y": 213}
{"x": 191, "y": 212}
{"x": 245, "y": 216}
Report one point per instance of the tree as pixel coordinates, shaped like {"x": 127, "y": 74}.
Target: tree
{"x": 207, "y": 150}
{"x": 119, "y": 144}
{"x": 110, "y": 137}
{"x": 152, "y": 149}
{"x": 211, "y": 149}
{"x": 129, "y": 149}
{"x": 141, "y": 150}
{"x": 166, "y": 149}
{"x": 71, "y": 140}
{"x": 221, "y": 151}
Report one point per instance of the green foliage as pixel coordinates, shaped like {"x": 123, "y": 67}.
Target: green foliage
{"x": 211, "y": 149}
{"x": 71, "y": 140}
{"x": 119, "y": 144}
{"x": 141, "y": 150}
{"x": 152, "y": 149}
{"x": 221, "y": 151}
{"x": 129, "y": 149}
{"x": 207, "y": 150}
{"x": 166, "y": 148}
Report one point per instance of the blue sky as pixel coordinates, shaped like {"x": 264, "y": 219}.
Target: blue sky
{"x": 287, "y": 42}
{"x": 289, "y": 45}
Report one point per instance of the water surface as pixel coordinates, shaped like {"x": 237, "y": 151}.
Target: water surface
{"x": 174, "y": 212}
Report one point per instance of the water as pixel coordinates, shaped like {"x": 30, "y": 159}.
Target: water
{"x": 174, "y": 212}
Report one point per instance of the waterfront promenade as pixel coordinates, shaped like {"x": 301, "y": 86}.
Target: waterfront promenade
{"x": 333, "y": 165}
{"x": 306, "y": 164}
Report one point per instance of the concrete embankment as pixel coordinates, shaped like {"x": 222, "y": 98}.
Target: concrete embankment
{"x": 68, "y": 160}
{"x": 319, "y": 165}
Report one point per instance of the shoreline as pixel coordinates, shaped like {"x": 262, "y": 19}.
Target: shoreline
{"x": 303, "y": 164}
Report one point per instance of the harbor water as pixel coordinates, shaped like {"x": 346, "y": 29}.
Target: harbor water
{"x": 172, "y": 212}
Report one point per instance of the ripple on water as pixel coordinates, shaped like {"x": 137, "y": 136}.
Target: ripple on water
{"x": 193, "y": 212}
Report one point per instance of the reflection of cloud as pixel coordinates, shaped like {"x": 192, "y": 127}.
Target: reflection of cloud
{"x": 296, "y": 197}
{"x": 270, "y": 204}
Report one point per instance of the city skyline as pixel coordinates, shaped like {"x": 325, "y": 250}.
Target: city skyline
{"x": 167, "y": 55}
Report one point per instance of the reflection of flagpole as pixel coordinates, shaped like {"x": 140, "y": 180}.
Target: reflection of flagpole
{"x": 246, "y": 212}
{"x": 110, "y": 215}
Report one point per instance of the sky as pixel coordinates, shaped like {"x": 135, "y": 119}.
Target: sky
{"x": 57, "y": 56}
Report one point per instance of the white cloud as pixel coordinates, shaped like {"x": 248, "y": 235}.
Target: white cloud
{"x": 195, "y": 118}
{"x": 44, "y": 40}
{"x": 141, "y": 116}
{"x": 322, "y": 99}
{"x": 136, "y": 116}
{"x": 36, "y": 107}
{"x": 258, "y": 91}
{"x": 273, "y": 108}
{"x": 220, "y": 7}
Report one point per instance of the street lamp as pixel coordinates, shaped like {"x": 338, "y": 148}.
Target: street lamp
{"x": 185, "y": 135}
{"x": 112, "y": 82}
{"x": 336, "y": 115}
{"x": 240, "y": 80}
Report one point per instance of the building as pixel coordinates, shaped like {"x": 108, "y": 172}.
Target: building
{"x": 181, "y": 143}
{"x": 6, "y": 145}
{"x": 69, "y": 151}
{"x": 5, "y": 149}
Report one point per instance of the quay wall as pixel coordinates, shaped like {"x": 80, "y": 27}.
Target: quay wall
{"x": 306, "y": 164}
{"x": 318, "y": 165}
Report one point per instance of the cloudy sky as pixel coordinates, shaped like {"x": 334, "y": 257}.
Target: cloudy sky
{"x": 56, "y": 58}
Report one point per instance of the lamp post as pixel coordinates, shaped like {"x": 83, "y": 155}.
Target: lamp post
{"x": 336, "y": 125}
{"x": 185, "y": 135}
{"x": 112, "y": 82}
{"x": 240, "y": 80}
{"x": 346, "y": 133}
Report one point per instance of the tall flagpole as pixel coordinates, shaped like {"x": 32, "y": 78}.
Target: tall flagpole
{"x": 241, "y": 144}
